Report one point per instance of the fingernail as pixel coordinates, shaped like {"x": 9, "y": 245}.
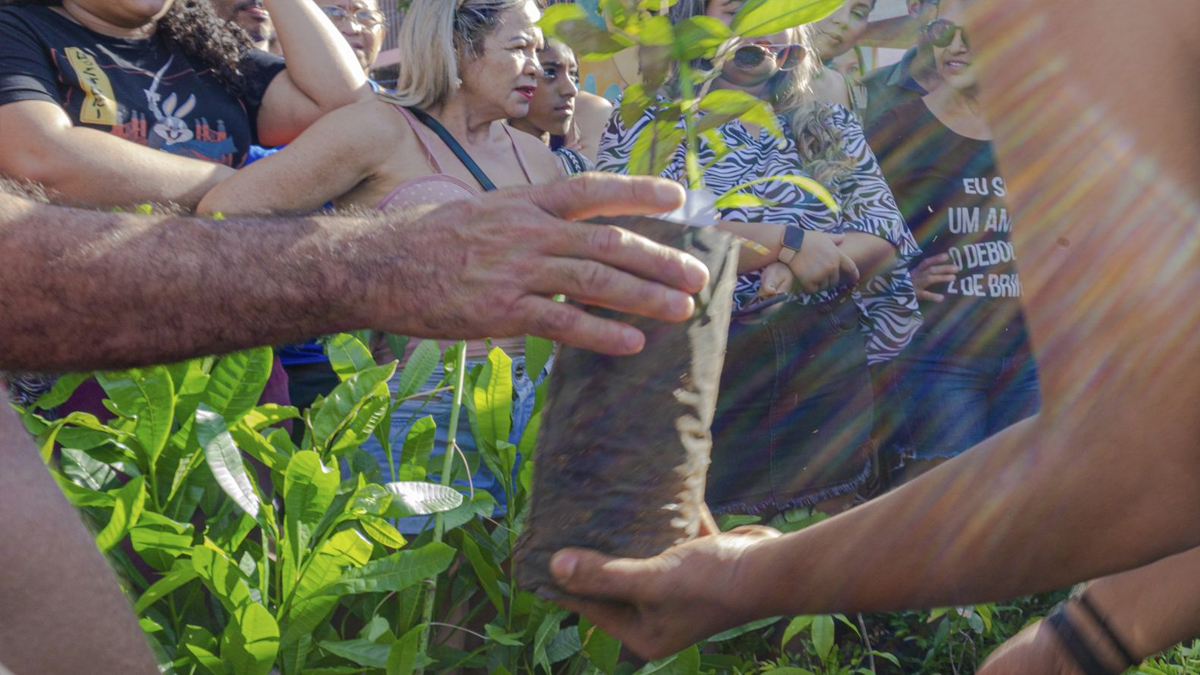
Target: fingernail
{"x": 562, "y": 566}
{"x": 632, "y": 339}
{"x": 668, "y": 192}
{"x": 696, "y": 275}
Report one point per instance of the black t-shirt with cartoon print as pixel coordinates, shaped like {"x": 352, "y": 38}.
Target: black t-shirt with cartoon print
{"x": 953, "y": 197}
{"x": 146, "y": 91}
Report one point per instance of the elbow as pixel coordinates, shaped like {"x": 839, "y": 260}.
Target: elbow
{"x": 44, "y": 168}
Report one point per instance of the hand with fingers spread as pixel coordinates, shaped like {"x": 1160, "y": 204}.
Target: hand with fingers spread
{"x": 933, "y": 270}
{"x": 489, "y": 266}
{"x": 820, "y": 264}
{"x": 661, "y": 605}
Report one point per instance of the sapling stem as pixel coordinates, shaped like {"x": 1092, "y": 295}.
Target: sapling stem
{"x": 447, "y": 467}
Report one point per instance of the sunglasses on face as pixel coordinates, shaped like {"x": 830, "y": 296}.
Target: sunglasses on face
{"x": 786, "y": 57}
{"x": 941, "y": 33}
{"x": 367, "y": 18}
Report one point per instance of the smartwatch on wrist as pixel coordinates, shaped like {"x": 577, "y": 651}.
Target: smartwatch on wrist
{"x": 793, "y": 239}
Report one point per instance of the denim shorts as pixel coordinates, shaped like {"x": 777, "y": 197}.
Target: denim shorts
{"x": 952, "y": 403}
{"x": 794, "y": 415}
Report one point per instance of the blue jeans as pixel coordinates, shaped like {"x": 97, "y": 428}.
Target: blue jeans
{"x": 440, "y": 406}
{"x": 952, "y": 403}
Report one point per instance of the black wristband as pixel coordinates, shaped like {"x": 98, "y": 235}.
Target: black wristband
{"x": 1101, "y": 621}
{"x": 1076, "y": 646}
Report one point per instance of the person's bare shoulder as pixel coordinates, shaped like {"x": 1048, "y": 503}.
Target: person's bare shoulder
{"x": 543, "y": 166}
{"x": 831, "y": 87}
{"x": 591, "y": 117}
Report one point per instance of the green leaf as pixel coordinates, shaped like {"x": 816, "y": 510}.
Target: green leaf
{"x": 548, "y": 627}
{"x": 499, "y": 636}
{"x": 252, "y": 443}
{"x": 686, "y": 662}
{"x": 80, "y": 497}
{"x": 655, "y": 146}
{"x": 413, "y": 498}
{"x": 402, "y": 655}
{"x": 766, "y": 17}
{"x": 395, "y": 572}
{"x": 486, "y": 571}
{"x": 741, "y": 200}
{"x": 414, "y": 457}
{"x": 83, "y": 470}
{"x": 493, "y": 399}
{"x": 206, "y": 660}
{"x": 398, "y": 344}
{"x": 481, "y": 505}
{"x": 564, "y": 645}
{"x": 344, "y": 404}
{"x": 311, "y": 606}
{"x": 798, "y": 625}
{"x": 268, "y": 415}
{"x": 362, "y": 652}
{"x": 699, "y": 36}
{"x": 418, "y": 368}
{"x": 657, "y": 32}
{"x": 601, "y": 649}
{"x": 64, "y": 386}
{"x": 557, "y": 13}
{"x": 803, "y": 182}
{"x": 145, "y": 396}
{"x": 348, "y": 356}
{"x": 787, "y": 671}
{"x": 742, "y": 630}
{"x": 250, "y": 642}
{"x": 225, "y": 460}
{"x": 822, "y": 635}
{"x": 222, "y": 577}
{"x": 237, "y": 381}
{"x": 634, "y": 102}
{"x": 308, "y": 491}
{"x": 160, "y": 540}
{"x": 127, "y": 509}
{"x": 370, "y": 499}
{"x": 183, "y": 573}
{"x": 722, "y": 105}
{"x": 538, "y": 351}
{"x": 382, "y": 531}
{"x": 589, "y": 42}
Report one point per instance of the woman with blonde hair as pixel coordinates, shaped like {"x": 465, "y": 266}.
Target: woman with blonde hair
{"x": 794, "y": 413}
{"x": 466, "y": 66}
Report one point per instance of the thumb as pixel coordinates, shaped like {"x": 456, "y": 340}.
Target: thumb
{"x": 605, "y": 194}
{"x": 595, "y": 575}
{"x": 849, "y": 270}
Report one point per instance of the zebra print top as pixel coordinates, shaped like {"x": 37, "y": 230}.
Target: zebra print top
{"x": 863, "y": 195}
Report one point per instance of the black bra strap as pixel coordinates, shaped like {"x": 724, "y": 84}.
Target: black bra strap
{"x": 455, "y": 147}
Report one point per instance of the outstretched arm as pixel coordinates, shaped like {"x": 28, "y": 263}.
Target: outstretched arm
{"x": 134, "y": 290}
{"x": 55, "y": 581}
{"x": 1103, "y": 181}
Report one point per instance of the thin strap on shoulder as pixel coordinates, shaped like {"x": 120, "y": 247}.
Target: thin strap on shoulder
{"x": 517, "y": 149}
{"x": 416, "y": 127}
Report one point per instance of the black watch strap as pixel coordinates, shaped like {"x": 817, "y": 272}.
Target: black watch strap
{"x": 1080, "y": 651}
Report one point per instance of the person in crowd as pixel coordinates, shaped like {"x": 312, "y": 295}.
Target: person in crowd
{"x": 363, "y": 25}
{"x": 850, "y": 63}
{"x": 448, "y": 110}
{"x": 794, "y": 413}
{"x": 914, "y": 76}
{"x": 95, "y": 290}
{"x": 552, "y": 111}
{"x": 969, "y": 371}
{"x": 112, "y": 106}
{"x": 252, "y": 17}
{"x": 1103, "y": 479}
{"x": 835, "y": 36}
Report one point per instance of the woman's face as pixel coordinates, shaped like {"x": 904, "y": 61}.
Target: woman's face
{"x": 362, "y": 24}
{"x": 954, "y": 60}
{"x": 839, "y": 32}
{"x": 502, "y": 81}
{"x": 125, "y": 14}
{"x": 553, "y": 105}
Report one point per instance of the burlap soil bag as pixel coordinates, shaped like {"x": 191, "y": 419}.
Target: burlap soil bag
{"x": 624, "y": 444}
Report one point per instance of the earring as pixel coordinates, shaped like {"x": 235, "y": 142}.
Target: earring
{"x": 457, "y": 82}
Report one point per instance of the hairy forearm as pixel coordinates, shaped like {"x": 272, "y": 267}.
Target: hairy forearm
{"x": 55, "y": 582}
{"x": 144, "y": 290}
{"x": 1152, "y": 607}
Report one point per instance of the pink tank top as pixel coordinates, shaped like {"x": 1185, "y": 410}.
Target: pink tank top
{"x": 438, "y": 187}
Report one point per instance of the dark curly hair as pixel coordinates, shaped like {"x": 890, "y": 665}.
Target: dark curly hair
{"x": 194, "y": 26}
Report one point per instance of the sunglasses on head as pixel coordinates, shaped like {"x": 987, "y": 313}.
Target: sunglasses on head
{"x": 941, "y": 33}
{"x": 786, "y": 57}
